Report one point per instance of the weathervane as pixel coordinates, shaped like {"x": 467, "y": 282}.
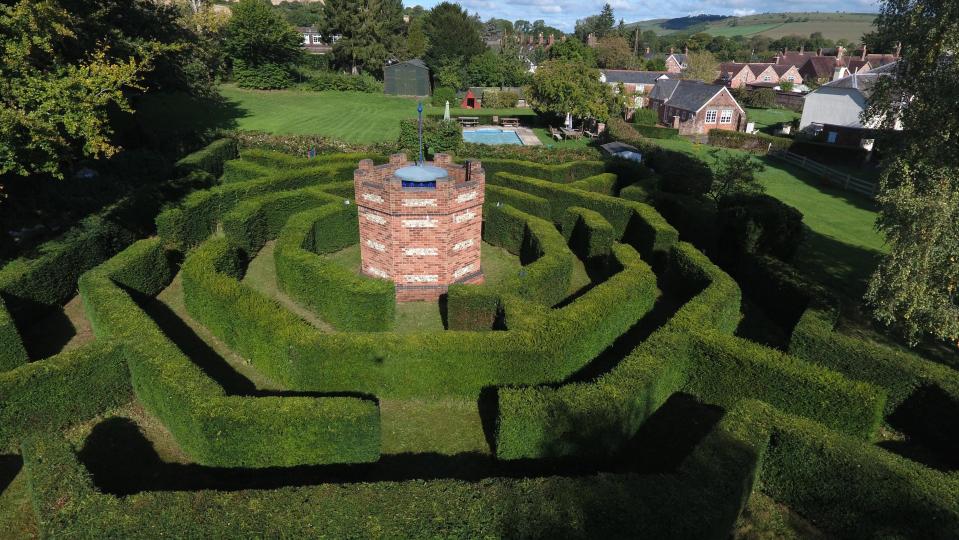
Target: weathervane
{"x": 419, "y": 109}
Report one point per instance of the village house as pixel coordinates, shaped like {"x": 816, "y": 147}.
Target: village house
{"x": 738, "y": 75}
{"x": 639, "y": 84}
{"x": 676, "y": 63}
{"x": 834, "y": 110}
{"x": 694, "y": 107}
{"x": 824, "y": 66}
{"x": 313, "y": 41}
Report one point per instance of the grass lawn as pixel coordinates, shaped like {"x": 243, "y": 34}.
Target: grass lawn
{"x": 549, "y": 142}
{"x": 349, "y": 116}
{"x": 770, "y": 117}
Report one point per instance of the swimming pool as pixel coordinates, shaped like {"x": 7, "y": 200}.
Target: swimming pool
{"x": 491, "y": 136}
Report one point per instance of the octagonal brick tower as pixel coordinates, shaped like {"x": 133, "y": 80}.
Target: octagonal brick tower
{"x": 421, "y": 225}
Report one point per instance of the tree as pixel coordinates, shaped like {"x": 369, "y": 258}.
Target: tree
{"x": 453, "y": 36}
{"x": 702, "y": 66}
{"x": 573, "y": 50}
{"x": 416, "y": 42}
{"x": 561, "y": 87}
{"x": 614, "y": 53}
{"x": 600, "y": 25}
{"x": 493, "y": 69}
{"x": 64, "y": 68}
{"x": 915, "y": 289}
{"x": 371, "y": 32}
{"x": 735, "y": 174}
{"x": 256, "y": 34}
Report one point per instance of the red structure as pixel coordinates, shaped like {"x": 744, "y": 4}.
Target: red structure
{"x": 469, "y": 101}
{"x": 421, "y": 225}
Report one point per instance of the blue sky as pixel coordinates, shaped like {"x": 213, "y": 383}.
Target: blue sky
{"x": 563, "y": 13}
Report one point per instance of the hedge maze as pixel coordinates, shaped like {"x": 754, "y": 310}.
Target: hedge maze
{"x": 630, "y": 408}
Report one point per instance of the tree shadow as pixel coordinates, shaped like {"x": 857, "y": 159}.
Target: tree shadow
{"x": 836, "y": 264}
{"x": 49, "y": 335}
{"x": 927, "y": 418}
{"x": 821, "y": 184}
{"x": 122, "y": 461}
{"x": 10, "y": 465}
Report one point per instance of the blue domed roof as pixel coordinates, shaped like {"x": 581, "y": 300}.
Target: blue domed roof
{"x": 420, "y": 173}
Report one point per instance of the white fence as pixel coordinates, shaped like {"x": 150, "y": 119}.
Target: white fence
{"x": 840, "y": 179}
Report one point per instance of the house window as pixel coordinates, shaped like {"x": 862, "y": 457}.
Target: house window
{"x": 831, "y": 137}
{"x": 726, "y": 117}
{"x": 767, "y": 78}
{"x": 711, "y": 117}
{"x": 791, "y": 78}
{"x": 317, "y": 40}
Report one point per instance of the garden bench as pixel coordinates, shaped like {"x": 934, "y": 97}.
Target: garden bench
{"x": 468, "y": 121}
{"x": 509, "y": 122}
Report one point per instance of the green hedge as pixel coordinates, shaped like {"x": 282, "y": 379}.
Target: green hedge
{"x": 635, "y": 223}
{"x": 563, "y": 173}
{"x": 656, "y": 132}
{"x": 254, "y": 221}
{"x": 209, "y": 159}
{"x": 605, "y": 183}
{"x": 700, "y": 499}
{"x": 588, "y": 233}
{"x": 345, "y": 299}
{"x": 758, "y": 143}
{"x": 278, "y": 161}
{"x": 472, "y": 308}
{"x": 70, "y": 387}
{"x": 12, "y": 352}
{"x": 240, "y": 170}
{"x": 531, "y": 204}
{"x": 213, "y": 428}
{"x": 850, "y": 488}
{"x": 693, "y": 352}
{"x": 195, "y": 218}
{"x": 32, "y": 286}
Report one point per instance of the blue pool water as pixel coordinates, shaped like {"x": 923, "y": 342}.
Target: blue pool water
{"x": 491, "y": 136}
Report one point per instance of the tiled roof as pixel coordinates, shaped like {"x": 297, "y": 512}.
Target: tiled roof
{"x": 795, "y": 58}
{"x": 781, "y": 69}
{"x": 687, "y": 95}
{"x": 758, "y": 68}
{"x": 681, "y": 58}
{"x": 863, "y": 82}
{"x": 632, "y": 77}
{"x": 415, "y": 62}
{"x": 821, "y": 66}
{"x": 664, "y": 89}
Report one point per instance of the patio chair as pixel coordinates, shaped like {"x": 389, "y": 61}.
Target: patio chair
{"x": 555, "y": 133}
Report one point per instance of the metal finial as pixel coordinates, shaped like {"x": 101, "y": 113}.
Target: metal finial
{"x": 419, "y": 109}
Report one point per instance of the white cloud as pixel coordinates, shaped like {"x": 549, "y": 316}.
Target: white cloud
{"x": 743, "y": 12}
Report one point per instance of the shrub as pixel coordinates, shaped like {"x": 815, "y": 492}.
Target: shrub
{"x": 605, "y": 184}
{"x": 254, "y": 221}
{"x": 439, "y": 136}
{"x": 763, "y": 98}
{"x": 588, "y": 233}
{"x": 12, "y": 352}
{"x": 679, "y": 173}
{"x": 343, "y": 82}
{"x": 443, "y": 94}
{"x": 759, "y": 224}
{"x": 265, "y": 76}
{"x": 239, "y": 170}
{"x": 655, "y": 132}
{"x": 70, "y": 387}
{"x": 645, "y": 117}
{"x": 209, "y": 159}
{"x": 757, "y": 143}
{"x": 496, "y": 99}
{"x": 531, "y": 204}
{"x": 563, "y": 173}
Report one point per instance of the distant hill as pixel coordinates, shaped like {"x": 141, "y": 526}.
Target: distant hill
{"x": 850, "y": 26}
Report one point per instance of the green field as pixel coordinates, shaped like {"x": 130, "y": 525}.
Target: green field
{"x": 849, "y": 26}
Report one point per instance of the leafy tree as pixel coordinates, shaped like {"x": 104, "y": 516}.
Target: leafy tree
{"x": 573, "y": 50}
{"x": 614, "y": 53}
{"x": 416, "y": 42}
{"x": 451, "y": 75}
{"x": 561, "y": 87}
{"x": 656, "y": 64}
{"x": 61, "y": 73}
{"x": 258, "y": 35}
{"x": 371, "y": 32}
{"x": 493, "y": 69}
{"x": 916, "y": 286}
{"x": 702, "y": 66}
{"x": 734, "y": 174}
{"x": 453, "y": 35}
{"x": 300, "y": 13}
{"x": 600, "y": 25}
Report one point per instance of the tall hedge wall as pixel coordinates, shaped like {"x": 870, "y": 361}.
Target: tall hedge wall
{"x": 12, "y": 352}
{"x": 605, "y": 183}
{"x": 563, "y": 173}
{"x": 530, "y": 204}
{"x": 588, "y": 233}
{"x": 275, "y": 161}
{"x": 256, "y": 220}
{"x": 209, "y": 159}
{"x": 212, "y": 427}
{"x": 67, "y": 388}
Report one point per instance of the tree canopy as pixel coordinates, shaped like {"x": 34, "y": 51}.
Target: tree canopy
{"x": 561, "y": 87}
{"x": 371, "y": 32}
{"x": 916, "y": 287}
{"x": 453, "y": 35}
{"x": 258, "y": 34}
{"x": 702, "y": 65}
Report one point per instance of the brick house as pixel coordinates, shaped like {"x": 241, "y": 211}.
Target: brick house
{"x": 694, "y": 107}
{"x": 313, "y": 41}
{"x": 675, "y": 62}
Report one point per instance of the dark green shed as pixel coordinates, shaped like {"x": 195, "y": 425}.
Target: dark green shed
{"x": 409, "y": 78}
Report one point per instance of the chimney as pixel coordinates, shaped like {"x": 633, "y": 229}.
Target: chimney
{"x": 839, "y": 52}
{"x": 898, "y": 48}
{"x": 685, "y": 49}
{"x": 819, "y": 52}
{"x": 670, "y": 50}
{"x": 802, "y": 48}
{"x": 863, "y": 57}
{"x": 837, "y": 73}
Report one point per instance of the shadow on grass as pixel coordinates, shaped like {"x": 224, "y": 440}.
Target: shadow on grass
{"x": 821, "y": 184}
{"x": 836, "y": 264}
{"x": 122, "y": 461}
{"x": 10, "y": 465}
{"x": 924, "y": 417}
{"x": 49, "y": 335}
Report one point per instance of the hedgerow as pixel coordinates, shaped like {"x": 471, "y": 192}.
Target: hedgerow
{"x": 561, "y": 172}
{"x": 64, "y": 389}
{"x": 588, "y": 233}
{"x": 604, "y": 183}
{"x": 209, "y": 159}
{"x": 531, "y": 204}
{"x": 12, "y": 352}
{"x": 278, "y": 161}
{"x": 240, "y": 170}
{"x": 255, "y": 220}
{"x": 758, "y": 143}
{"x": 213, "y": 428}
{"x": 324, "y": 286}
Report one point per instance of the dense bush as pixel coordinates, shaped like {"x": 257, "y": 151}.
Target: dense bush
{"x": 443, "y": 94}
{"x": 265, "y": 76}
{"x": 70, "y": 387}
{"x": 534, "y": 154}
{"x": 496, "y": 99}
{"x": 656, "y": 132}
{"x": 759, "y": 224}
{"x": 531, "y": 204}
{"x": 439, "y": 136}
{"x": 680, "y": 173}
{"x": 588, "y": 233}
{"x": 563, "y": 173}
{"x": 256, "y": 220}
{"x": 762, "y": 98}
{"x": 605, "y": 184}
{"x": 241, "y": 170}
{"x": 278, "y": 161}
{"x": 209, "y": 159}
{"x": 645, "y": 117}
{"x": 302, "y": 145}
{"x": 758, "y": 143}
{"x": 344, "y": 82}
{"x": 12, "y": 352}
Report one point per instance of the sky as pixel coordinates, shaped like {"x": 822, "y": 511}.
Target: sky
{"x": 562, "y": 14}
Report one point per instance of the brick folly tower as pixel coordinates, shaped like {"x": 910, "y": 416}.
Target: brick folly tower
{"x": 421, "y": 225}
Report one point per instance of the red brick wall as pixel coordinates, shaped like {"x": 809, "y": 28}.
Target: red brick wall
{"x": 422, "y": 239}
{"x": 672, "y": 66}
